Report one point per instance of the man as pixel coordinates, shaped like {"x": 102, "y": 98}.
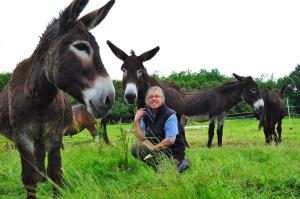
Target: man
{"x": 158, "y": 132}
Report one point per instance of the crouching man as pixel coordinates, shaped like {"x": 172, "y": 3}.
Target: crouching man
{"x": 158, "y": 132}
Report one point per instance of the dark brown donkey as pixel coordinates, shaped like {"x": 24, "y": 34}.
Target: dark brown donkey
{"x": 82, "y": 119}
{"x": 34, "y": 112}
{"x": 215, "y": 102}
{"x": 272, "y": 114}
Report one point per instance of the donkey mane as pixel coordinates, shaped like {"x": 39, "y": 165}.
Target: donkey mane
{"x": 132, "y": 53}
{"x": 45, "y": 39}
{"x": 170, "y": 84}
{"x": 227, "y": 85}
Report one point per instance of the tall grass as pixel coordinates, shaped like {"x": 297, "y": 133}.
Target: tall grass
{"x": 243, "y": 168}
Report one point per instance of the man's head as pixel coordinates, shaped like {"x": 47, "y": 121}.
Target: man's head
{"x": 155, "y": 97}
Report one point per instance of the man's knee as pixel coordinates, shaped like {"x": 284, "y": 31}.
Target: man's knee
{"x": 135, "y": 150}
{"x": 140, "y": 150}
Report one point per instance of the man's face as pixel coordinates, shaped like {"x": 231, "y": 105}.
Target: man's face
{"x": 155, "y": 100}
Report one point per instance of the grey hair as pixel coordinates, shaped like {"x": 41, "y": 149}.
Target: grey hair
{"x": 151, "y": 90}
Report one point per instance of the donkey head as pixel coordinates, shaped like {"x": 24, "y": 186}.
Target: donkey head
{"x": 251, "y": 93}
{"x": 133, "y": 70}
{"x": 71, "y": 59}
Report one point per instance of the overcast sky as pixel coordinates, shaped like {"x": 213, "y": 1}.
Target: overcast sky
{"x": 251, "y": 37}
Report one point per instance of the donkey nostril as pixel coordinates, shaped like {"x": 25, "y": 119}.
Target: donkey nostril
{"x": 130, "y": 96}
{"x": 107, "y": 101}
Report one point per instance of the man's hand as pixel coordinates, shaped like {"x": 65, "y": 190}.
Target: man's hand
{"x": 148, "y": 144}
{"x": 138, "y": 115}
{"x": 136, "y": 123}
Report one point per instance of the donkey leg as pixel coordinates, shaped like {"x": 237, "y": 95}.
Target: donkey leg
{"x": 40, "y": 154}
{"x": 211, "y": 130}
{"x": 267, "y": 135}
{"x": 220, "y": 135}
{"x": 184, "y": 138}
{"x": 93, "y": 131}
{"x": 181, "y": 126}
{"x": 29, "y": 179}
{"x": 273, "y": 134}
{"x": 54, "y": 164}
{"x": 104, "y": 133}
{"x": 279, "y": 129}
{"x": 221, "y": 119}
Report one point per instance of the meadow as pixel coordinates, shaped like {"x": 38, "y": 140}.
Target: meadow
{"x": 243, "y": 168}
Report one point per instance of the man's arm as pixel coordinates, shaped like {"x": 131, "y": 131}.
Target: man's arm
{"x": 165, "y": 143}
{"x": 137, "y": 126}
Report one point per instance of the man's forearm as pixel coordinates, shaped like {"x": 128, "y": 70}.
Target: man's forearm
{"x": 162, "y": 145}
{"x": 138, "y": 132}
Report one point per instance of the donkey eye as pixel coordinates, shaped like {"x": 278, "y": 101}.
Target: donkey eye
{"x": 139, "y": 72}
{"x": 253, "y": 90}
{"x": 82, "y": 47}
{"x": 124, "y": 71}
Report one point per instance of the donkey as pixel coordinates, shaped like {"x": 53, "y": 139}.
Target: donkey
{"x": 215, "y": 102}
{"x": 34, "y": 112}
{"x": 272, "y": 114}
{"x": 82, "y": 119}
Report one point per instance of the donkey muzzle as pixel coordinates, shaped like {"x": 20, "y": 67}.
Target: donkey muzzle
{"x": 100, "y": 98}
{"x": 130, "y": 98}
{"x": 258, "y": 105}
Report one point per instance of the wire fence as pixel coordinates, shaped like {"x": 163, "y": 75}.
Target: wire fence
{"x": 289, "y": 112}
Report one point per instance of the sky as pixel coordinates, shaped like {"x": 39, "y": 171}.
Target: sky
{"x": 257, "y": 37}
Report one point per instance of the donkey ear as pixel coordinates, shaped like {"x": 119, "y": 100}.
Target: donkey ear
{"x": 239, "y": 78}
{"x": 117, "y": 51}
{"x": 69, "y": 16}
{"x": 148, "y": 55}
{"x": 93, "y": 18}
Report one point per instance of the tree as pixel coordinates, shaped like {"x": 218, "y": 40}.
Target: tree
{"x": 121, "y": 109}
{"x": 188, "y": 80}
{"x": 4, "y": 78}
{"x": 294, "y": 88}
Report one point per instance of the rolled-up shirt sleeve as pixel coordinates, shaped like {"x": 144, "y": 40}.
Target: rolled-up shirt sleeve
{"x": 171, "y": 128}
{"x": 142, "y": 125}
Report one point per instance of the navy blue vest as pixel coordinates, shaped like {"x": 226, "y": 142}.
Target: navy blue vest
{"x": 154, "y": 127}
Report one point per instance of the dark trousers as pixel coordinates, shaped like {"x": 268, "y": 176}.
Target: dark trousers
{"x": 141, "y": 152}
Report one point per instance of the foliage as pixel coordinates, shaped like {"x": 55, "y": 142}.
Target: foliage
{"x": 120, "y": 109}
{"x": 294, "y": 87}
{"x": 188, "y": 80}
{"x": 4, "y": 78}
{"x": 123, "y": 143}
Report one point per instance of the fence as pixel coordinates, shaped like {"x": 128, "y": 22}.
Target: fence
{"x": 290, "y": 112}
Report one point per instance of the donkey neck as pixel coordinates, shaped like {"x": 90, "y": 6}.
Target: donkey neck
{"x": 43, "y": 92}
{"x": 232, "y": 91}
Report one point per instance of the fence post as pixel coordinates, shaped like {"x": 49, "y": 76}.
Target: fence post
{"x": 289, "y": 114}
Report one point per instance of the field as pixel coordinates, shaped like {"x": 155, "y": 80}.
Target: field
{"x": 243, "y": 168}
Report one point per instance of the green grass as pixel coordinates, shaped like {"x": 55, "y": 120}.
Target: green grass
{"x": 243, "y": 168}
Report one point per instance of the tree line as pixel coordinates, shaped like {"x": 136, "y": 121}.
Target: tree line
{"x": 188, "y": 80}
